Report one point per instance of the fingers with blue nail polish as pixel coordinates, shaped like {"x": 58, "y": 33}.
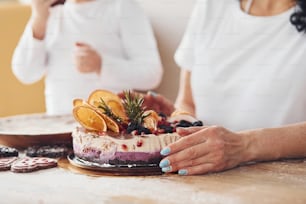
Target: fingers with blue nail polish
{"x": 165, "y": 151}
{"x": 183, "y": 172}
{"x": 167, "y": 169}
{"x": 164, "y": 163}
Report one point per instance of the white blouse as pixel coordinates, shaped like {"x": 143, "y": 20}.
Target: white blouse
{"x": 117, "y": 29}
{"x": 246, "y": 71}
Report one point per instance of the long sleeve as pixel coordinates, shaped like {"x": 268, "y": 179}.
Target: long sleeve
{"x": 29, "y": 58}
{"x": 141, "y": 68}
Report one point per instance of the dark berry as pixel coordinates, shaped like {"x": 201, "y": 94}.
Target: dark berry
{"x": 124, "y": 147}
{"x": 131, "y": 127}
{"x": 163, "y": 122}
{"x": 123, "y": 126}
{"x": 159, "y": 131}
{"x": 166, "y": 128}
{"x": 139, "y": 143}
{"x": 197, "y": 123}
{"x": 184, "y": 123}
{"x": 162, "y": 115}
{"x": 143, "y": 130}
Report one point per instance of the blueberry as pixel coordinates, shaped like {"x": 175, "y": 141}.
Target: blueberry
{"x": 166, "y": 128}
{"x": 197, "y": 123}
{"x": 144, "y": 130}
{"x": 184, "y": 123}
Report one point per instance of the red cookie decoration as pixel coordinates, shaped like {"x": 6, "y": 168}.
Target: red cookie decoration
{"x": 28, "y": 164}
{"x": 6, "y": 163}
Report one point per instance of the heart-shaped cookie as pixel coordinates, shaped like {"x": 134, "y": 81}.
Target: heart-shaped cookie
{"x": 5, "y": 163}
{"x": 29, "y": 164}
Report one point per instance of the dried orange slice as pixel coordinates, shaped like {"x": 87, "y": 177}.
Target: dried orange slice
{"x": 151, "y": 121}
{"x": 95, "y": 97}
{"x": 89, "y": 118}
{"x": 79, "y": 102}
{"x": 111, "y": 124}
{"x": 117, "y": 109}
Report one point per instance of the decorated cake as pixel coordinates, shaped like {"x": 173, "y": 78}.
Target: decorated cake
{"x": 121, "y": 131}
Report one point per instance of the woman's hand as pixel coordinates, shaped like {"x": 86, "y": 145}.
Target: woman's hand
{"x": 40, "y": 15}
{"x": 87, "y": 59}
{"x": 158, "y": 103}
{"x": 204, "y": 149}
{"x": 154, "y": 101}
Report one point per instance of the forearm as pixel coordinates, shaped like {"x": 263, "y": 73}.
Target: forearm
{"x": 39, "y": 26}
{"x": 39, "y": 17}
{"x": 182, "y": 106}
{"x": 184, "y": 99}
{"x": 29, "y": 58}
{"x": 276, "y": 143}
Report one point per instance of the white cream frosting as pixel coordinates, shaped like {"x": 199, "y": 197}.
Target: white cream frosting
{"x": 137, "y": 143}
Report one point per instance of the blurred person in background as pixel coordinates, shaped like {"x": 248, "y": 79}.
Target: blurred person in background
{"x": 83, "y": 45}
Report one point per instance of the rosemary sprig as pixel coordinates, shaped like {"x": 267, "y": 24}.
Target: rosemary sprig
{"x": 108, "y": 111}
{"x": 132, "y": 104}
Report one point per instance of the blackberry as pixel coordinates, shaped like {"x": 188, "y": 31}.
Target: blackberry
{"x": 184, "y": 123}
{"x": 144, "y": 130}
{"x": 197, "y": 123}
{"x": 138, "y": 128}
{"x": 166, "y": 128}
{"x": 131, "y": 127}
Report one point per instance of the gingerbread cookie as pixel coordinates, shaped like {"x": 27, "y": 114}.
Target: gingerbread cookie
{"x": 5, "y": 163}
{"x": 8, "y": 152}
{"x": 53, "y": 151}
{"x": 29, "y": 164}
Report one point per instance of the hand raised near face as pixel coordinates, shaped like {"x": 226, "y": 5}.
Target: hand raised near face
{"x": 87, "y": 59}
{"x": 39, "y": 18}
{"x": 40, "y": 8}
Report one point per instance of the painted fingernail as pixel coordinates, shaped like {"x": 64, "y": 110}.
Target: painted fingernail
{"x": 167, "y": 169}
{"x": 152, "y": 93}
{"x": 165, "y": 151}
{"x": 183, "y": 172}
{"x": 164, "y": 163}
